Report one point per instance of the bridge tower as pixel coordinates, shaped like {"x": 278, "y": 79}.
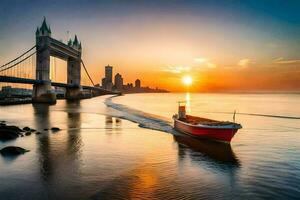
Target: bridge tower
{"x": 74, "y": 71}
{"x": 47, "y": 46}
{"x": 42, "y": 92}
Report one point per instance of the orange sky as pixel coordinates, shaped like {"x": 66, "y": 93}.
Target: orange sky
{"x": 208, "y": 76}
{"x": 225, "y": 47}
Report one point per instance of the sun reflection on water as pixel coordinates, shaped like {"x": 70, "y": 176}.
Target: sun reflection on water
{"x": 188, "y": 103}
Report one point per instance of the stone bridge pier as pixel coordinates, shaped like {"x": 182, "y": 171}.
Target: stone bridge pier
{"x": 46, "y": 46}
{"x": 73, "y": 78}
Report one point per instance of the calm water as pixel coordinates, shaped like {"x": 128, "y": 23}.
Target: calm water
{"x": 99, "y": 154}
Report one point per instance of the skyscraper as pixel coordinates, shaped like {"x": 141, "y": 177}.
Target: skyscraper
{"x": 118, "y": 82}
{"x": 108, "y": 73}
{"x": 107, "y": 81}
{"x": 137, "y": 83}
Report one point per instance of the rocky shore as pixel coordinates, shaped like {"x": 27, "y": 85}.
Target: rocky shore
{"x": 12, "y": 132}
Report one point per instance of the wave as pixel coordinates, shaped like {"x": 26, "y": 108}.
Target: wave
{"x": 145, "y": 120}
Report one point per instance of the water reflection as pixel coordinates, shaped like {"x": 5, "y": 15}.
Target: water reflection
{"x": 108, "y": 121}
{"x": 118, "y": 122}
{"x": 56, "y": 152}
{"x": 41, "y": 116}
{"x": 220, "y": 152}
{"x": 112, "y": 125}
{"x": 41, "y": 119}
{"x": 9, "y": 159}
{"x": 188, "y": 102}
{"x": 74, "y": 124}
{"x": 140, "y": 183}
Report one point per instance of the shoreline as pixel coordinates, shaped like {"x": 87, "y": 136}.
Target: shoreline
{"x": 19, "y": 101}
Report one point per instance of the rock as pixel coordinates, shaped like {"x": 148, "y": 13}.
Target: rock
{"x": 15, "y": 128}
{"x": 8, "y": 135}
{"x": 32, "y": 130}
{"x": 46, "y": 129}
{"x": 28, "y": 133}
{"x": 9, "y": 132}
{"x": 12, "y": 151}
{"x": 55, "y": 129}
{"x": 2, "y": 124}
{"x": 38, "y": 133}
{"x": 26, "y": 128}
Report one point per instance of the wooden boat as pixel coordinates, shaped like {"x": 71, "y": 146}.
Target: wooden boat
{"x": 204, "y": 128}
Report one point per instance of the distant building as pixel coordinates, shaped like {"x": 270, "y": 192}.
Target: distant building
{"x": 118, "y": 82}
{"x": 8, "y": 91}
{"x": 103, "y": 82}
{"x": 107, "y": 81}
{"x": 137, "y": 83}
{"x": 108, "y": 73}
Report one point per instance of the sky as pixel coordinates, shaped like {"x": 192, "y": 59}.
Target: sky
{"x": 225, "y": 46}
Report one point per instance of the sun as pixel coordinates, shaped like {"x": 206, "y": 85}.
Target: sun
{"x": 187, "y": 80}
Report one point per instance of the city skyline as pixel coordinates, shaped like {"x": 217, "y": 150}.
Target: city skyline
{"x": 223, "y": 46}
{"x": 115, "y": 82}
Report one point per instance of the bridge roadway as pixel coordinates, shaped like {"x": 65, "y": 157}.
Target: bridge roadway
{"x": 9, "y": 79}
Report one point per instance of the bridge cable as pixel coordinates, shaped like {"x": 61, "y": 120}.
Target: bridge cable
{"x": 18, "y": 57}
{"x": 86, "y": 73}
{"x": 18, "y": 62}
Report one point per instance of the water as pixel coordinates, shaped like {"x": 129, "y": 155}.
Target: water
{"x": 99, "y": 154}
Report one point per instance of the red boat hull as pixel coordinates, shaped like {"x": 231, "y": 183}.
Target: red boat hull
{"x": 219, "y": 134}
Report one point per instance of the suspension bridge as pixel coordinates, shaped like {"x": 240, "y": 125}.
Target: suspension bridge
{"x": 37, "y": 66}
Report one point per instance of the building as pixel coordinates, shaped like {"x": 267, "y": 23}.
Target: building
{"x": 118, "y": 82}
{"x": 108, "y": 73}
{"x": 109, "y": 86}
{"x": 137, "y": 83}
{"x": 107, "y": 81}
{"x": 8, "y": 91}
{"x": 103, "y": 82}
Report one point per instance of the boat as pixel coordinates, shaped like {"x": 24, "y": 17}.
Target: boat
{"x": 204, "y": 128}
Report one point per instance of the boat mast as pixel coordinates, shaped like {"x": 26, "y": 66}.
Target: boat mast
{"x": 234, "y": 116}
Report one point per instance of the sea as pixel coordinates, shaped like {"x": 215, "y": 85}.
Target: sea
{"x": 125, "y": 147}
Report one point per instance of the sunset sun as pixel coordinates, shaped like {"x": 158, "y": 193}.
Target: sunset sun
{"x": 187, "y": 80}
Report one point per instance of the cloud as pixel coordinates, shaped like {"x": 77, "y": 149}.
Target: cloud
{"x": 278, "y": 59}
{"x": 244, "y": 63}
{"x": 200, "y": 60}
{"x": 211, "y": 65}
{"x": 205, "y": 62}
{"x": 202, "y": 63}
{"x": 281, "y": 61}
{"x": 177, "y": 69}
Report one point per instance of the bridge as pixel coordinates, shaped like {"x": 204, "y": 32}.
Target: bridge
{"x": 33, "y": 67}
